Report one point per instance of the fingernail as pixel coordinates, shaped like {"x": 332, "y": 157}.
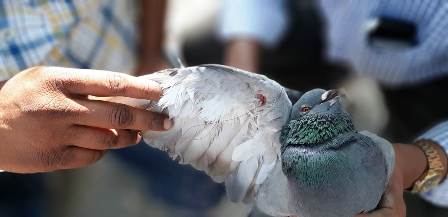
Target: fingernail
{"x": 139, "y": 137}
{"x": 167, "y": 124}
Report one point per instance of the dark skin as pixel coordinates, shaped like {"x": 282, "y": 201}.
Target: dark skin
{"x": 79, "y": 126}
{"x": 152, "y": 22}
{"x": 410, "y": 162}
{"x": 410, "y": 165}
{"x": 48, "y": 120}
{"x": 243, "y": 53}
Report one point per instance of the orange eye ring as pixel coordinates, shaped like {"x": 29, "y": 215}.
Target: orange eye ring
{"x": 261, "y": 99}
{"x": 305, "y": 109}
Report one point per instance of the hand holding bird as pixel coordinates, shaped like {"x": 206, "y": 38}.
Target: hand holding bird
{"x": 228, "y": 122}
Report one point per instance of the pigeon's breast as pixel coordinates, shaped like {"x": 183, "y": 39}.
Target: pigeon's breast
{"x": 314, "y": 167}
{"x": 339, "y": 182}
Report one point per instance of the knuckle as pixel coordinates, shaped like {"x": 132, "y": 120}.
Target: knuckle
{"x": 52, "y": 159}
{"x": 152, "y": 89}
{"x": 66, "y": 157}
{"x": 121, "y": 116}
{"x": 110, "y": 140}
{"x": 117, "y": 83}
{"x": 61, "y": 80}
{"x": 38, "y": 80}
{"x": 156, "y": 121}
{"x": 35, "y": 71}
{"x": 53, "y": 84}
{"x": 94, "y": 157}
{"x": 48, "y": 79}
{"x": 129, "y": 137}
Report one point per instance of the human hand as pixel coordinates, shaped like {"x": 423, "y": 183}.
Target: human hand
{"x": 392, "y": 203}
{"x": 48, "y": 122}
{"x": 410, "y": 164}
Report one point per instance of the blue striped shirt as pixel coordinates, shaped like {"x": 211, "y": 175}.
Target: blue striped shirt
{"x": 349, "y": 23}
{"x": 439, "y": 195}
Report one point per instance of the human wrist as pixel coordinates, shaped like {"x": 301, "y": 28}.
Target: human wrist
{"x": 152, "y": 21}
{"x": 422, "y": 164}
{"x": 437, "y": 159}
{"x": 243, "y": 53}
{"x": 412, "y": 163}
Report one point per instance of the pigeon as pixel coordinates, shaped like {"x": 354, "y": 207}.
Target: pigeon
{"x": 332, "y": 170}
{"x": 241, "y": 129}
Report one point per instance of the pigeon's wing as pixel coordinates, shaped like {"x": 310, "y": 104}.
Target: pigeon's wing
{"x": 226, "y": 122}
{"x": 387, "y": 149}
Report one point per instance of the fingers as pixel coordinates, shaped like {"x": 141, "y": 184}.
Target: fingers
{"x": 102, "y": 139}
{"x": 391, "y": 205}
{"x": 106, "y": 83}
{"x": 88, "y": 145}
{"x": 109, "y": 115}
{"x": 75, "y": 157}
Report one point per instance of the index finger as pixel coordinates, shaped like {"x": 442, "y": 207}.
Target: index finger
{"x": 106, "y": 83}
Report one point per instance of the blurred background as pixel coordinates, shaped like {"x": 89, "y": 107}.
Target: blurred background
{"x": 140, "y": 181}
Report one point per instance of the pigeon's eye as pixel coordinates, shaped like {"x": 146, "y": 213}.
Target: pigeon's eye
{"x": 305, "y": 109}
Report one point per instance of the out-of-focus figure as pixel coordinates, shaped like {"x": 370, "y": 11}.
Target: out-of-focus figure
{"x": 400, "y": 44}
{"x": 124, "y": 36}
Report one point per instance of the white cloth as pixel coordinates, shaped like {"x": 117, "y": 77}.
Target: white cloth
{"x": 263, "y": 20}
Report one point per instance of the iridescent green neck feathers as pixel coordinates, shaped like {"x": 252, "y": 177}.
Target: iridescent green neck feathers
{"x": 315, "y": 129}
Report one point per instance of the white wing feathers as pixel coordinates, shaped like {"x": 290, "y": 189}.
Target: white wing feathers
{"x": 227, "y": 123}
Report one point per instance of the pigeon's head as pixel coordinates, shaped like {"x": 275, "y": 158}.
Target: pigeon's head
{"x": 316, "y": 120}
{"x": 316, "y": 117}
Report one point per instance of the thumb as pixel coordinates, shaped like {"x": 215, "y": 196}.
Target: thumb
{"x": 391, "y": 205}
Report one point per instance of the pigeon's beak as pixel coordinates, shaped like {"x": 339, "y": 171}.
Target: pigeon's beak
{"x": 329, "y": 95}
{"x": 332, "y": 96}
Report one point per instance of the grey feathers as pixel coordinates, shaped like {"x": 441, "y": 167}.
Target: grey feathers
{"x": 227, "y": 122}
{"x": 332, "y": 170}
{"x": 315, "y": 129}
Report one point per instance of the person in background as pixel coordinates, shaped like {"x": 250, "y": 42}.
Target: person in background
{"x": 48, "y": 122}
{"x": 401, "y": 44}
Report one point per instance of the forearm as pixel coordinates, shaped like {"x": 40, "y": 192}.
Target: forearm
{"x": 243, "y": 53}
{"x": 152, "y": 19}
{"x": 413, "y": 163}
{"x": 246, "y": 26}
